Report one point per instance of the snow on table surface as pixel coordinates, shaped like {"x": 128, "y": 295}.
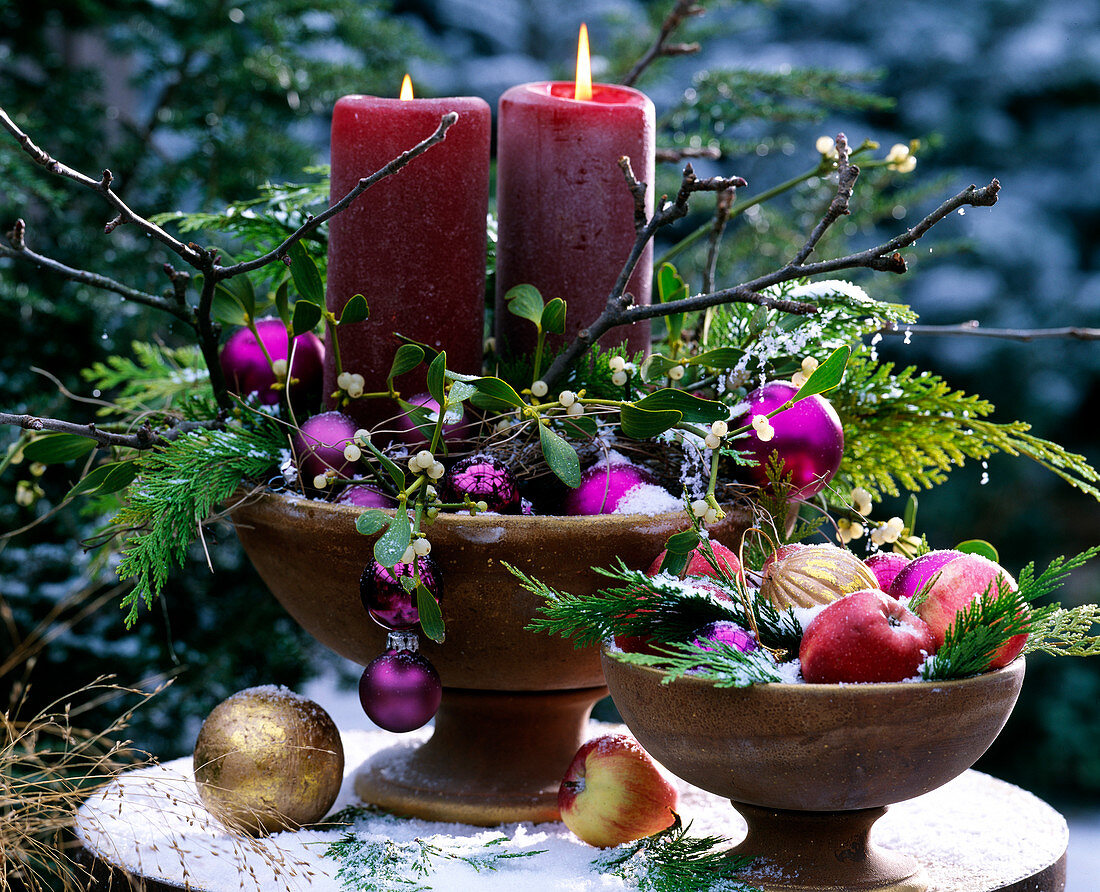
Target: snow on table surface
{"x": 974, "y": 834}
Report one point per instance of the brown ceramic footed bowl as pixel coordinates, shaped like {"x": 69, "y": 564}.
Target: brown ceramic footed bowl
{"x": 515, "y": 703}
{"x": 811, "y": 767}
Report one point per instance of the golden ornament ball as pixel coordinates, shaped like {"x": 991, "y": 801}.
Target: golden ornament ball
{"x": 814, "y": 574}
{"x": 267, "y": 759}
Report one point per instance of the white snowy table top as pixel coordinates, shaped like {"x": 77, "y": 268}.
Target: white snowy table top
{"x": 976, "y": 834}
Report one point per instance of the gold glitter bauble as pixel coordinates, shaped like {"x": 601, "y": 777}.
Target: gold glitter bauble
{"x": 814, "y": 574}
{"x": 267, "y": 760}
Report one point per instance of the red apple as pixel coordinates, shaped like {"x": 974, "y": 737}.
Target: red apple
{"x": 698, "y": 565}
{"x": 613, "y": 793}
{"x": 865, "y": 636}
{"x": 886, "y": 565}
{"x": 958, "y": 582}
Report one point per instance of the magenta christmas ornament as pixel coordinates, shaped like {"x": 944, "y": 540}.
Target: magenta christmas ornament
{"x": 886, "y": 565}
{"x": 603, "y": 487}
{"x": 724, "y": 632}
{"x": 363, "y": 496}
{"x": 484, "y": 479}
{"x": 247, "y": 369}
{"x": 386, "y": 599}
{"x": 400, "y": 690}
{"x": 455, "y": 426}
{"x": 320, "y": 443}
{"x": 808, "y": 437}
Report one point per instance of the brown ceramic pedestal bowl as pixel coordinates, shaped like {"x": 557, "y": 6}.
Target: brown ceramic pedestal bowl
{"x": 812, "y": 767}
{"x": 515, "y": 703}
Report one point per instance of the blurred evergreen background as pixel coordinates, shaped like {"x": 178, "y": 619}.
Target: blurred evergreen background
{"x": 194, "y": 105}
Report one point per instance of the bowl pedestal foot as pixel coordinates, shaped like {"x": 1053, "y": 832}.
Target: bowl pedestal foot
{"x": 494, "y": 757}
{"x": 805, "y": 851}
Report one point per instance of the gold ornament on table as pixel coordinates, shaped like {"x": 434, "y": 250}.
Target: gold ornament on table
{"x": 267, "y": 760}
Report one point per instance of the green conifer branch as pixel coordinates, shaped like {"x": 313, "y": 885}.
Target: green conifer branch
{"x": 675, "y": 861}
{"x": 913, "y": 429}
{"x": 179, "y": 486}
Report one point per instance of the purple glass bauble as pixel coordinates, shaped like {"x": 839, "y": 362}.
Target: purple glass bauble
{"x": 363, "y": 496}
{"x": 808, "y": 438}
{"x": 319, "y": 445}
{"x": 725, "y": 632}
{"x": 400, "y": 690}
{"x": 411, "y": 434}
{"x": 247, "y": 370}
{"x": 603, "y": 487}
{"x": 483, "y": 478}
{"x": 919, "y": 572}
{"x": 886, "y": 565}
{"x": 385, "y": 598}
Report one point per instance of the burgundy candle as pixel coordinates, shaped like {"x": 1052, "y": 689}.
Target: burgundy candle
{"x": 566, "y": 215}
{"x": 413, "y": 244}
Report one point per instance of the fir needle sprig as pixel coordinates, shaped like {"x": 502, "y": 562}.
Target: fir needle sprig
{"x": 658, "y": 607}
{"x": 716, "y": 661}
{"x": 674, "y": 861}
{"x": 1000, "y": 614}
{"x": 384, "y": 865}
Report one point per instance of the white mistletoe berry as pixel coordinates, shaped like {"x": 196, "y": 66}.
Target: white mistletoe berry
{"x": 540, "y": 389}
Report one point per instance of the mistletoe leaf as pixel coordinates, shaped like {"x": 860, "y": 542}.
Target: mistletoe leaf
{"x": 431, "y": 617}
{"x": 52, "y": 448}
{"x": 391, "y": 545}
{"x": 355, "y": 310}
{"x": 437, "y": 377}
{"x": 307, "y": 279}
{"x": 305, "y": 317}
{"x": 560, "y": 456}
{"x": 692, "y": 408}
{"x": 526, "y": 302}
{"x": 105, "y": 479}
{"x": 407, "y": 358}
{"x": 826, "y": 376}
{"x": 370, "y": 522}
{"x": 641, "y": 424}
{"x": 553, "y": 317}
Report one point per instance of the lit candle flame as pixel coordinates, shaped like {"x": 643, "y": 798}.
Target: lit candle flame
{"x": 407, "y": 88}
{"x": 583, "y": 88}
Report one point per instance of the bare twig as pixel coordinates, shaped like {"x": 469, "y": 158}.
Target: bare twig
{"x": 617, "y": 306}
{"x": 972, "y": 328}
{"x": 683, "y": 9}
{"x": 145, "y": 437}
{"x": 722, "y": 205}
{"x": 675, "y": 156}
{"x": 20, "y": 251}
{"x": 847, "y": 174}
{"x": 191, "y": 253}
{"x": 445, "y": 124}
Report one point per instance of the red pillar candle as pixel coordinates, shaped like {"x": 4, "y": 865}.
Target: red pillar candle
{"x": 413, "y": 244}
{"x": 566, "y": 215}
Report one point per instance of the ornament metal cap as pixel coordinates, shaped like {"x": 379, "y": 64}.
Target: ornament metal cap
{"x": 403, "y": 640}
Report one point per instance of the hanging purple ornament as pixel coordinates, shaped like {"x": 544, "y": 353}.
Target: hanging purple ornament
{"x": 400, "y": 690}
{"x": 386, "y": 599}
{"x": 808, "y": 438}
{"x": 724, "y": 632}
{"x": 320, "y": 443}
{"x": 603, "y": 487}
{"x": 484, "y": 479}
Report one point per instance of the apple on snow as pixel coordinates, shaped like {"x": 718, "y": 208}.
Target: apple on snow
{"x": 866, "y": 636}
{"x": 613, "y": 793}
